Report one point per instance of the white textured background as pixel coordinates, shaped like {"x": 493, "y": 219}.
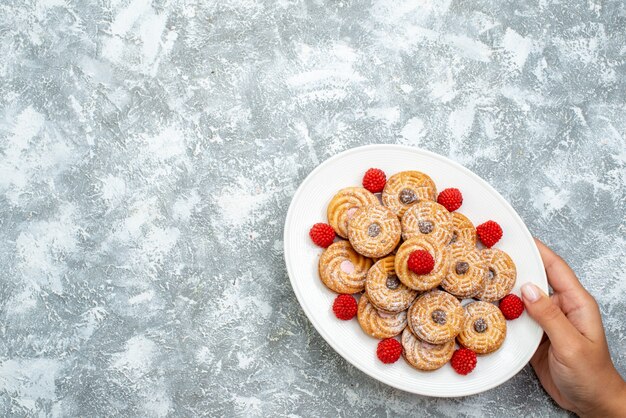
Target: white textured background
{"x": 149, "y": 151}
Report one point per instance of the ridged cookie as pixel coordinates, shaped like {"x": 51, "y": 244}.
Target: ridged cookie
{"x": 379, "y": 324}
{"x": 374, "y": 231}
{"x": 422, "y": 282}
{"x": 425, "y": 356}
{"x": 343, "y": 205}
{"x": 467, "y": 273}
{"x": 385, "y": 290}
{"x": 406, "y": 188}
{"x": 501, "y": 275}
{"x": 427, "y": 218}
{"x": 342, "y": 269}
{"x": 436, "y": 317}
{"x": 485, "y": 328}
{"x": 463, "y": 230}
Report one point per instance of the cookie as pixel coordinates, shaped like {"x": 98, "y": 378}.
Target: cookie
{"x": 427, "y": 218}
{"x": 425, "y": 356}
{"x": 436, "y": 317}
{"x": 343, "y": 205}
{"x": 342, "y": 269}
{"x": 379, "y": 324}
{"x": 407, "y": 188}
{"x": 501, "y": 275}
{"x": 385, "y": 291}
{"x": 485, "y": 328}
{"x": 422, "y": 282}
{"x": 374, "y": 231}
{"x": 463, "y": 230}
{"x": 467, "y": 273}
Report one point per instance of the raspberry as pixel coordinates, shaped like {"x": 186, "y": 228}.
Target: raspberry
{"x": 451, "y": 199}
{"x": 489, "y": 233}
{"x": 463, "y": 361}
{"x": 511, "y": 306}
{"x": 389, "y": 350}
{"x": 345, "y": 307}
{"x": 421, "y": 262}
{"x": 322, "y": 234}
{"x": 374, "y": 180}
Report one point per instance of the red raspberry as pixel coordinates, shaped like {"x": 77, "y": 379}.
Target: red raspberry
{"x": 389, "y": 350}
{"x": 345, "y": 307}
{"x": 489, "y": 233}
{"x": 463, "y": 361}
{"x": 511, "y": 306}
{"x": 421, "y": 262}
{"x": 374, "y": 180}
{"x": 451, "y": 199}
{"x": 322, "y": 234}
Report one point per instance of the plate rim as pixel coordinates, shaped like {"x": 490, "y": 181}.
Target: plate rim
{"x": 318, "y": 326}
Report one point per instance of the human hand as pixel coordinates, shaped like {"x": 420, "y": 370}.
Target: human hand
{"x": 573, "y": 363}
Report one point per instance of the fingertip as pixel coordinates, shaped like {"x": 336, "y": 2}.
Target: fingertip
{"x": 530, "y": 293}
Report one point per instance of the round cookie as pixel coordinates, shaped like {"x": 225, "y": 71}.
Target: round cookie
{"x": 501, "y": 275}
{"x": 374, "y": 231}
{"x": 405, "y": 188}
{"x": 342, "y": 269}
{"x": 467, "y": 273}
{"x": 485, "y": 328}
{"x": 463, "y": 230}
{"x": 427, "y": 218}
{"x": 385, "y": 291}
{"x": 379, "y": 324}
{"x": 436, "y": 317}
{"x": 422, "y": 282}
{"x": 425, "y": 356}
{"x": 343, "y": 205}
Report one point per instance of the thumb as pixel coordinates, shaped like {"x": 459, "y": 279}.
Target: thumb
{"x": 559, "y": 329}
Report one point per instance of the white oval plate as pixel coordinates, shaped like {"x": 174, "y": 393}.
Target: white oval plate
{"x": 481, "y": 202}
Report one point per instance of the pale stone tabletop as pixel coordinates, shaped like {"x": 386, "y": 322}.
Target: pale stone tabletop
{"x": 149, "y": 152}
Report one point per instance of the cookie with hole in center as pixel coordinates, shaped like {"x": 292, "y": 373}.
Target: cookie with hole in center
{"x": 385, "y": 290}
{"x": 422, "y": 282}
{"x": 379, "y": 324}
{"x": 342, "y": 269}
{"x": 427, "y": 218}
{"x": 374, "y": 231}
{"x": 467, "y": 273}
{"x": 436, "y": 317}
{"x": 343, "y": 205}
{"x": 463, "y": 230}
{"x": 501, "y": 275}
{"x": 406, "y": 188}
{"x": 484, "y": 328}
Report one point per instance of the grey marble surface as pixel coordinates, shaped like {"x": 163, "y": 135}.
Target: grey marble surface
{"x": 149, "y": 152}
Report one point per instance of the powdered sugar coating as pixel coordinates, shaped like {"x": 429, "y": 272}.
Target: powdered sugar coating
{"x": 395, "y": 299}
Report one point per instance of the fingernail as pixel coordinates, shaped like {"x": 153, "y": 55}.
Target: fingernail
{"x": 530, "y": 292}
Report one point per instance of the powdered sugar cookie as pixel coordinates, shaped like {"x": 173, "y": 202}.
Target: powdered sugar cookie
{"x": 407, "y": 188}
{"x": 374, "y": 231}
{"x": 422, "y": 355}
{"x": 343, "y": 205}
{"x": 427, "y": 218}
{"x": 379, "y": 324}
{"x": 384, "y": 289}
{"x": 485, "y": 328}
{"x": 463, "y": 230}
{"x": 501, "y": 275}
{"x": 342, "y": 269}
{"x": 467, "y": 273}
{"x": 436, "y": 317}
{"x": 422, "y": 282}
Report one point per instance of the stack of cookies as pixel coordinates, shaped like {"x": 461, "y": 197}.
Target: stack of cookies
{"x": 413, "y": 260}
